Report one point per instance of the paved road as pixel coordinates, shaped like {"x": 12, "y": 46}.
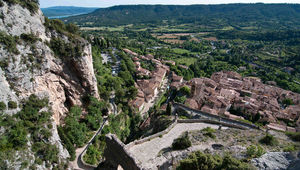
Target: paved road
{"x": 77, "y": 163}
{"x": 148, "y": 151}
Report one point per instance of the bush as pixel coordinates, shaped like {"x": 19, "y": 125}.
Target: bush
{"x": 72, "y": 28}
{"x": 294, "y": 136}
{"x": 255, "y": 152}
{"x": 181, "y": 142}
{"x": 10, "y": 42}
{"x": 2, "y": 106}
{"x": 269, "y": 140}
{"x": 12, "y": 105}
{"x": 67, "y": 143}
{"x": 209, "y": 132}
{"x": 181, "y": 99}
{"x": 31, "y": 38}
{"x": 68, "y": 50}
{"x": 31, "y": 5}
{"x": 287, "y": 102}
{"x": 290, "y": 148}
{"x": 201, "y": 161}
{"x": 185, "y": 91}
{"x": 91, "y": 155}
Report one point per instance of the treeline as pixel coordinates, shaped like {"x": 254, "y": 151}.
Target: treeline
{"x": 282, "y": 35}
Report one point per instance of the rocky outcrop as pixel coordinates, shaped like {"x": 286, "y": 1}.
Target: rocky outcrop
{"x": 34, "y": 69}
{"x": 276, "y": 161}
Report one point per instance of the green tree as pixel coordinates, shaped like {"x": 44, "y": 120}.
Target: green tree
{"x": 12, "y": 105}
{"x": 182, "y": 142}
{"x": 2, "y": 106}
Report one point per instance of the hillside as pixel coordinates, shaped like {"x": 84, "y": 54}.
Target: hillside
{"x": 66, "y": 11}
{"x": 271, "y": 16}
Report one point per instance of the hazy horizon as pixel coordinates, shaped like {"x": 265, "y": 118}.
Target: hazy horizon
{"x": 108, "y": 3}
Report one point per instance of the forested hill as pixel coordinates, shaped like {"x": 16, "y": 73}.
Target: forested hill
{"x": 237, "y": 15}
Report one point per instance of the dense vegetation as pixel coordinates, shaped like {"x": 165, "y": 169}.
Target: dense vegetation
{"x": 30, "y": 125}
{"x": 294, "y": 136}
{"x": 182, "y": 142}
{"x": 9, "y": 42}
{"x": 65, "y": 49}
{"x": 202, "y": 161}
{"x": 269, "y": 140}
{"x": 31, "y": 5}
{"x": 239, "y": 16}
{"x": 77, "y": 130}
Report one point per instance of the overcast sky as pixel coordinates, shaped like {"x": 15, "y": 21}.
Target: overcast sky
{"x": 107, "y": 3}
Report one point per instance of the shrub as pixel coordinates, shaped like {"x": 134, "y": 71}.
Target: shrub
{"x": 269, "y": 140}
{"x": 91, "y": 155}
{"x": 294, "y": 136}
{"x": 181, "y": 142}
{"x": 2, "y": 106}
{"x": 31, "y": 38}
{"x": 12, "y": 105}
{"x": 68, "y": 50}
{"x": 290, "y": 148}
{"x": 255, "y": 152}
{"x": 287, "y": 102}
{"x": 67, "y": 143}
{"x": 185, "y": 91}
{"x": 209, "y": 132}
{"x": 201, "y": 161}
{"x": 10, "y": 42}
{"x": 181, "y": 99}
{"x": 31, "y": 5}
{"x": 72, "y": 28}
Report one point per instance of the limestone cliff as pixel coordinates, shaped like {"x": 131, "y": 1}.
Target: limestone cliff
{"x": 31, "y": 67}
{"x": 36, "y": 70}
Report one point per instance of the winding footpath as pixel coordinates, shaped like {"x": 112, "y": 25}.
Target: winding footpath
{"x": 77, "y": 163}
{"x": 146, "y": 152}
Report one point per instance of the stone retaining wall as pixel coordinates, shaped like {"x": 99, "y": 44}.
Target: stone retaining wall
{"x": 211, "y": 122}
{"x": 116, "y": 154}
{"x": 136, "y": 142}
{"x": 216, "y": 117}
{"x": 116, "y": 151}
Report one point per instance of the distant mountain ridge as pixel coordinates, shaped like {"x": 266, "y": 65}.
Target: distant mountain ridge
{"x": 261, "y": 15}
{"x": 66, "y": 11}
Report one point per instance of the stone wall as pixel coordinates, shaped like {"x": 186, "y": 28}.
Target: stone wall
{"x": 116, "y": 154}
{"x": 116, "y": 151}
{"x": 136, "y": 142}
{"x": 201, "y": 114}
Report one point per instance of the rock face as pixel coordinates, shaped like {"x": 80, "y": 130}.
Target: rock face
{"x": 39, "y": 71}
{"x": 36, "y": 70}
{"x": 276, "y": 161}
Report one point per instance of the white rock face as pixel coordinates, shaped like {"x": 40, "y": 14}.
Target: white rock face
{"x": 273, "y": 161}
{"x": 46, "y": 75}
{"x": 35, "y": 70}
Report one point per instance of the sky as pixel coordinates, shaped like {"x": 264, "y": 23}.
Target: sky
{"x": 107, "y": 3}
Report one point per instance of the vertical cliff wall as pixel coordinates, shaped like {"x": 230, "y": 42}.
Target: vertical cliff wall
{"x": 29, "y": 66}
{"x": 34, "y": 69}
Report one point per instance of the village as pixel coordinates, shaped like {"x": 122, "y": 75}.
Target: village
{"x": 225, "y": 94}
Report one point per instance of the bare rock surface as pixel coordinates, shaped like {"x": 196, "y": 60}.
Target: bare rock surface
{"x": 275, "y": 161}
{"x": 36, "y": 70}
